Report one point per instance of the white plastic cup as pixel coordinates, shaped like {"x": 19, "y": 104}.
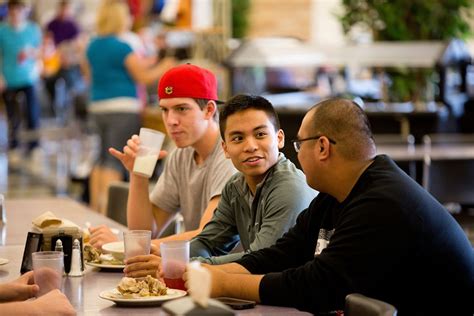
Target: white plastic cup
{"x": 174, "y": 258}
{"x": 136, "y": 243}
{"x": 48, "y": 269}
{"x": 147, "y": 155}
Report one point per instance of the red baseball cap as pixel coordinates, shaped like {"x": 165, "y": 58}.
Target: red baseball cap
{"x": 188, "y": 81}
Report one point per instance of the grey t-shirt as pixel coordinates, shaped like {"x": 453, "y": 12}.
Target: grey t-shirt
{"x": 187, "y": 187}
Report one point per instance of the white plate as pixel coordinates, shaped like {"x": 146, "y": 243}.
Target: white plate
{"x": 105, "y": 266}
{"x": 115, "y": 296}
{"x": 115, "y": 248}
{"x": 4, "y": 261}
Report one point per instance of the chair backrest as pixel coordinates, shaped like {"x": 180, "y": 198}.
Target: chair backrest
{"x": 398, "y": 140}
{"x": 360, "y": 305}
{"x": 117, "y": 206}
{"x": 448, "y": 167}
{"x": 117, "y": 202}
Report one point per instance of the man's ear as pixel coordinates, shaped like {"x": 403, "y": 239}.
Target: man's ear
{"x": 224, "y": 147}
{"x": 211, "y": 108}
{"x": 323, "y": 148}
{"x": 281, "y": 138}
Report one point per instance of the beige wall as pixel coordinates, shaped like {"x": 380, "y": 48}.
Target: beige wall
{"x": 325, "y": 26}
{"x": 280, "y": 18}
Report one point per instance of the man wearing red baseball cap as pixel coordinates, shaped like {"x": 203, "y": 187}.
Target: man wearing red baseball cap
{"x": 194, "y": 173}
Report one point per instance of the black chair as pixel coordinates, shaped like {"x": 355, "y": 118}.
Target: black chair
{"x": 360, "y": 305}
{"x": 448, "y": 168}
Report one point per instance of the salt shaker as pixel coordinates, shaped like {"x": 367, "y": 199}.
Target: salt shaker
{"x": 58, "y": 246}
{"x": 179, "y": 224}
{"x": 76, "y": 266}
{"x": 3, "y": 211}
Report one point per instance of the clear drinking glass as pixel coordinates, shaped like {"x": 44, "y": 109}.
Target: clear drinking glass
{"x": 48, "y": 269}
{"x": 147, "y": 155}
{"x": 174, "y": 258}
{"x": 136, "y": 243}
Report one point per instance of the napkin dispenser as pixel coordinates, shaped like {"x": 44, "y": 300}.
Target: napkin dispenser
{"x": 33, "y": 244}
{"x": 53, "y": 228}
{"x": 52, "y": 231}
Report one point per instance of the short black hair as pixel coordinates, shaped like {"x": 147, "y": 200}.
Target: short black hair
{"x": 242, "y": 102}
{"x": 346, "y": 122}
{"x": 202, "y": 104}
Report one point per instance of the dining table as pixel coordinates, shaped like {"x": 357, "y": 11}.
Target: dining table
{"x": 83, "y": 292}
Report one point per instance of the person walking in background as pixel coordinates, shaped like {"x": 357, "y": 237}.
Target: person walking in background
{"x": 65, "y": 33}
{"x": 20, "y": 42}
{"x": 114, "y": 70}
{"x": 63, "y": 27}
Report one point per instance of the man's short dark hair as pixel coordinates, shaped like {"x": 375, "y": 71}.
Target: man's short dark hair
{"x": 345, "y": 122}
{"x": 203, "y": 103}
{"x": 242, "y": 102}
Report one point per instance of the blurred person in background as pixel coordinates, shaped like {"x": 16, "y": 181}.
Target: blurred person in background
{"x": 65, "y": 33}
{"x": 63, "y": 27}
{"x": 137, "y": 43}
{"x": 20, "y": 42}
{"x": 15, "y": 299}
{"x": 114, "y": 70}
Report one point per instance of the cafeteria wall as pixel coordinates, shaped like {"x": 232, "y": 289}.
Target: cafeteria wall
{"x": 317, "y": 20}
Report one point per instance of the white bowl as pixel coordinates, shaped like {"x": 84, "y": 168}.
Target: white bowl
{"x": 115, "y": 248}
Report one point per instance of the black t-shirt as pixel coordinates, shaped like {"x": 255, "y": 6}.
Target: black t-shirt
{"x": 389, "y": 239}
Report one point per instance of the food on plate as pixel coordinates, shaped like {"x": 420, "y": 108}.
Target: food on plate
{"x": 94, "y": 255}
{"x": 136, "y": 288}
{"x": 91, "y": 254}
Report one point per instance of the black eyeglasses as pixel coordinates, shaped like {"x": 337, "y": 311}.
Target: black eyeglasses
{"x": 297, "y": 142}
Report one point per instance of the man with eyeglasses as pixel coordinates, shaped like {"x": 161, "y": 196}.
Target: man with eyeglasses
{"x": 372, "y": 230}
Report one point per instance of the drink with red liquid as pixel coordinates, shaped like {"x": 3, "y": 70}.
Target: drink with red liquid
{"x": 175, "y": 284}
{"x": 174, "y": 258}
